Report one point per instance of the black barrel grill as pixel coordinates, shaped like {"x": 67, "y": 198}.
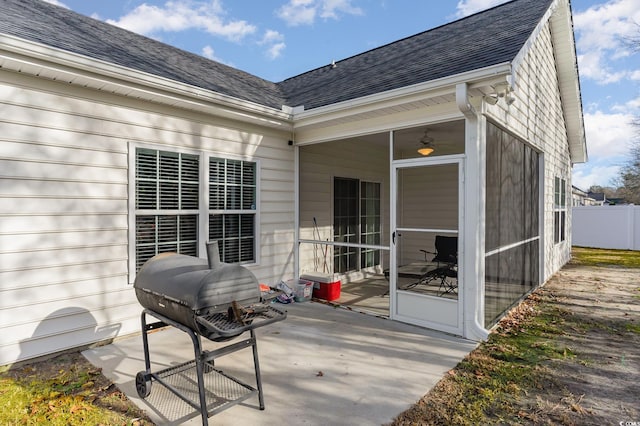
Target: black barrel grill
{"x": 203, "y": 298}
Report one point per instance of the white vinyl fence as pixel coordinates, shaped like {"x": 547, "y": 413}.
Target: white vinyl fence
{"x": 611, "y": 227}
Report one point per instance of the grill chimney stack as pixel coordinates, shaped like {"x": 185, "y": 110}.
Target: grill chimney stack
{"x": 213, "y": 255}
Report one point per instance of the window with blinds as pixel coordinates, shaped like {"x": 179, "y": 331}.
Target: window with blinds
{"x": 232, "y": 208}
{"x": 167, "y": 201}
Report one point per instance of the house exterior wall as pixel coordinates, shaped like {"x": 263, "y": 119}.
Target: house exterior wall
{"x": 64, "y": 208}
{"x": 65, "y": 184}
{"x": 537, "y": 118}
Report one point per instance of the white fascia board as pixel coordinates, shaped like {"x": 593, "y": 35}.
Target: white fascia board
{"x": 559, "y": 17}
{"x": 102, "y": 75}
{"x": 438, "y": 87}
{"x": 569, "y": 81}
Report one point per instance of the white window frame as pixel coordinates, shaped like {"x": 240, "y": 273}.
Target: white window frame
{"x": 203, "y": 211}
{"x": 559, "y": 210}
{"x": 242, "y": 211}
{"x": 359, "y": 235}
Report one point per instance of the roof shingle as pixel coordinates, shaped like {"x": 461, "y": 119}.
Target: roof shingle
{"x": 487, "y": 38}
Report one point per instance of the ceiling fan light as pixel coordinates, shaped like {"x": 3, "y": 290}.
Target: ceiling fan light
{"x": 425, "y": 150}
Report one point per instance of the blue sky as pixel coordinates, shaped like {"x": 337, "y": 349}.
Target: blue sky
{"x": 276, "y": 39}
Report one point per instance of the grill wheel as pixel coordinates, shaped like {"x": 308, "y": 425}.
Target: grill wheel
{"x": 143, "y": 385}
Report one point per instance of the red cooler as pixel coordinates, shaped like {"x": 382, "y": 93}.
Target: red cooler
{"x": 325, "y": 286}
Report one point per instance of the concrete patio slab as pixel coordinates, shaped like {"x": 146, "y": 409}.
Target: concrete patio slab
{"x": 322, "y": 365}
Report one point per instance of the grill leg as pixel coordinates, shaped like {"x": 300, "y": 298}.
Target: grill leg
{"x": 256, "y": 363}
{"x": 145, "y": 342}
{"x": 197, "y": 348}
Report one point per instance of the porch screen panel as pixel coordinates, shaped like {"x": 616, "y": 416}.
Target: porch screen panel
{"x": 512, "y": 222}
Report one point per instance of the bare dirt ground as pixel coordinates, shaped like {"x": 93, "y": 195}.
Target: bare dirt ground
{"x": 600, "y": 384}
{"x": 590, "y": 315}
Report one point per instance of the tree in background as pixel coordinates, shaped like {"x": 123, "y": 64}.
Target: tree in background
{"x": 608, "y": 191}
{"x": 629, "y": 179}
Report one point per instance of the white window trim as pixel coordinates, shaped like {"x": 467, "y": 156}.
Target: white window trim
{"x": 256, "y": 241}
{"x": 203, "y": 210}
{"x": 559, "y": 208}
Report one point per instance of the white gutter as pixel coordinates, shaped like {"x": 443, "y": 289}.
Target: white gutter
{"x": 473, "y": 220}
{"x": 23, "y": 55}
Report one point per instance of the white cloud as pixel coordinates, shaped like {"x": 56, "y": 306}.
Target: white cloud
{"x": 609, "y": 135}
{"x": 271, "y": 36}
{"x": 57, "y": 3}
{"x": 304, "y": 12}
{"x": 274, "y": 42}
{"x": 181, "y": 15}
{"x": 331, "y": 8}
{"x": 592, "y": 64}
{"x": 469, "y": 7}
{"x": 585, "y": 176}
{"x": 275, "y": 50}
{"x": 209, "y": 53}
{"x": 602, "y": 37}
{"x": 298, "y": 12}
{"x": 630, "y": 108}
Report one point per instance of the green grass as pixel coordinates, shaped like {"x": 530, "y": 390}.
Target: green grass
{"x": 602, "y": 257}
{"x": 491, "y": 380}
{"x": 69, "y": 397}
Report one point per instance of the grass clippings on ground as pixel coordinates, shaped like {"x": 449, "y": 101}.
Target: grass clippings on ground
{"x": 64, "y": 390}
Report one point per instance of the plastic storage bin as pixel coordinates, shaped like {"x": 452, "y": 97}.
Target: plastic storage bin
{"x": 302, "y": 289}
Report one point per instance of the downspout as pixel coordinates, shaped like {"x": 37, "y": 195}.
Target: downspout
{"x": 474, "y": 218}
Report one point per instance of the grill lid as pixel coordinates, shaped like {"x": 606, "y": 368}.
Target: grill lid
{"x": 183, "y": 287}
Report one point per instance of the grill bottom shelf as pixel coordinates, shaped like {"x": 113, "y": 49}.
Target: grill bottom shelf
{"x": 210, "y": 390}
{"x": 221, "y": 390}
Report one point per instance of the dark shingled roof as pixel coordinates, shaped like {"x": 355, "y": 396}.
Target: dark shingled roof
{"x": 56, "y": 26}
{"x": 487, "y": 38}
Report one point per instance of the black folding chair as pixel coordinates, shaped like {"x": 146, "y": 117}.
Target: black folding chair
{"x": 446, "y": 271}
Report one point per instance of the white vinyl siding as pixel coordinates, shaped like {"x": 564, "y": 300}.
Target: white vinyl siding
{"x": 65, "y": 225}
{"x": 537, "y": 118}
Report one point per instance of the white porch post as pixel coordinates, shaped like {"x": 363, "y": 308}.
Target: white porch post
{"x": 296, "y": 211}
{"x": 474, "y": 218}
